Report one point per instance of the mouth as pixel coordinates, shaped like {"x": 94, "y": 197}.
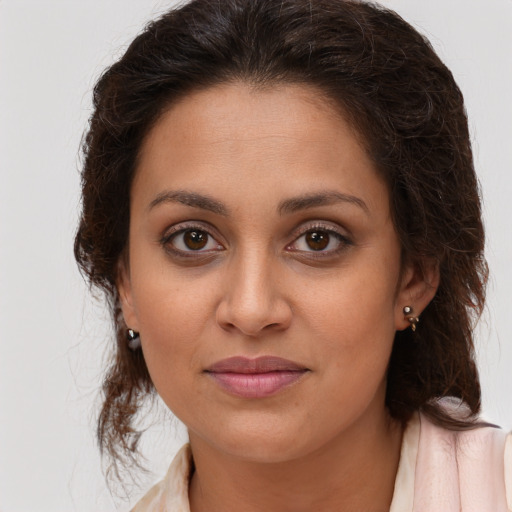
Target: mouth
{"x": 256, "y": 378}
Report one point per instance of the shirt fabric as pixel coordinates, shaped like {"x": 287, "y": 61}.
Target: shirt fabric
{"x": 439, "y": 471}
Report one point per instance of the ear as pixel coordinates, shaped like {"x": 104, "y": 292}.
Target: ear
{"x": 418, "y": 287}
{"x": 124, "y": 289}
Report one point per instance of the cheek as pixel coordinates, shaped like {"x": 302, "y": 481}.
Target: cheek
{"x": 172, "y": 316}
{"x": 353, "y": 316}
{"x": 170, "y": 302}
{"x": 357, "y": 299}
{"x": 353, "y": 355}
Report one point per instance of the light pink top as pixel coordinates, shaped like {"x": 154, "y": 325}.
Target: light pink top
{"x": 439, "y": 471}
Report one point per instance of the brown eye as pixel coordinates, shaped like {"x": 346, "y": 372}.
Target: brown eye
{"x": 317, "y": 240}
{"x": 191, "y": 241}
{"x": 195, "y": 239}
{"x": 325, "y": 242}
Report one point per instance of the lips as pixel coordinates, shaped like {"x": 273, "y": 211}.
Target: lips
{"x": 255, "y": 378}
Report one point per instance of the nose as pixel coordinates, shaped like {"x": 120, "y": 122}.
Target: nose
{"x": 253, "y": 301}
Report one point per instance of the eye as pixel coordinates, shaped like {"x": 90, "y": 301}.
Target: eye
{"x": 191, "y": 240}
{"x": 317, "y": 240}
{"x": 321, "y": 240}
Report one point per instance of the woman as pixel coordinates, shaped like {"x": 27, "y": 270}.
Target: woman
{"x": 280, "y": 203}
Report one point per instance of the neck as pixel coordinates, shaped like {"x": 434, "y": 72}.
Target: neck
{"x": 354, "y": 471}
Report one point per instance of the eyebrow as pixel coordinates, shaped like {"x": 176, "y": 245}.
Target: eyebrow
{"x": 324, "y": 198}
{"x": 288, "y": 206}
{"x": 190, "y": 199}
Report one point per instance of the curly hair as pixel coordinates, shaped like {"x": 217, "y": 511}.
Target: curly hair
{"x": 398, "y": 96}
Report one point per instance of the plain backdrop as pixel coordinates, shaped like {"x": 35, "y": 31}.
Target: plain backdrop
{"x": 53, "y": 334}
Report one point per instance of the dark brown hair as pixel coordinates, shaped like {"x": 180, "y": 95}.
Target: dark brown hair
{"x": 402, "y": 101}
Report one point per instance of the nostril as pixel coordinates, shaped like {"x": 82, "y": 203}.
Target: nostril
{"x": 253, "y": 308}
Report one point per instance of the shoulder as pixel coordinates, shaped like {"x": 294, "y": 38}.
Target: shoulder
{"x": 171, "y": 494}
{"x": 508, "y": 469}
{"x": 469, "y": 470}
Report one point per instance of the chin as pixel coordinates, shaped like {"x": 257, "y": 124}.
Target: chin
{"x": 263, "y": 440}
{"x": 266, "y": 451}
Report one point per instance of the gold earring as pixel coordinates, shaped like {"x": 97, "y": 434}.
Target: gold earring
{"x": 413, "y": 320}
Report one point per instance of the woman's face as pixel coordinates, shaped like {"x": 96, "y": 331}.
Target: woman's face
{"x": 263, "y": 271}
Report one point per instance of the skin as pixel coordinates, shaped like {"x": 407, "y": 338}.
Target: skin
{"x": 257, "y": 288}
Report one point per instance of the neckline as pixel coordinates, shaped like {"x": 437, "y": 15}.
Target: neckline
{"x": 403, "y": 494}
{"x": 173, "y": 490}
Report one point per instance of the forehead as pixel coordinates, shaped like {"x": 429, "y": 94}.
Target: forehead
{"x": 240, "y": 110}
{"x": 288, "y": 137}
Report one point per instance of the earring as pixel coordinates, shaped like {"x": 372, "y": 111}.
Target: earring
{"x": 413, "y": 320}
{"x": 133, "y": 339}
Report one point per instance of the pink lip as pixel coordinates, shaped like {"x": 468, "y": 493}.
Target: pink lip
{"x": 255, "y": 378}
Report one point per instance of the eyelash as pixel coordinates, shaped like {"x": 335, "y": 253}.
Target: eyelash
{"x": 182, "y": 229}
{"x": 343, "y": 240}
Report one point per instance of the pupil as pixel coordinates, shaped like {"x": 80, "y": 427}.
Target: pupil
{"x": 195, "y": 239}
{"x": 317, "y": 240}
